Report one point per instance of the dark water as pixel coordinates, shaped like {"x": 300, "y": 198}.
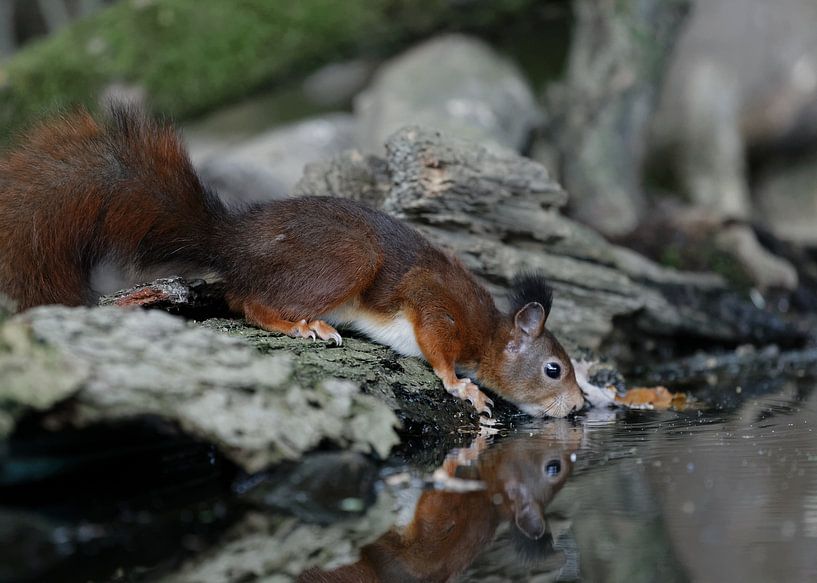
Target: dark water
{"x": 713, "y": 495}
{"x": 651, "y": 496}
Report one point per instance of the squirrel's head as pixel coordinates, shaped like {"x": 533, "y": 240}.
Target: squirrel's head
{"x": 533, "y": 370}
{"x": 528, "y": 469}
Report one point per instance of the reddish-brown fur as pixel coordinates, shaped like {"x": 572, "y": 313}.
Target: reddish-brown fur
{"x": 450, "y": 529}
{"x": 79, "y": 191}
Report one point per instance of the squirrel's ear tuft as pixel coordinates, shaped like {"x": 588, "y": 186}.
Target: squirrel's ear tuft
{"x": 531, "y": 287}
{"x": 530, "y": 320}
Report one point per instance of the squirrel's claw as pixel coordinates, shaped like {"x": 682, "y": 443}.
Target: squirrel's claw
{"x": 316, "y": 329}
{"x": 304, "y": 329}
{"x": 468, "y": 391}
{"x": 483, "y": 407}
{"x": 484, "y": 410}
{"x": 488, "y": 425}
{"x": 325, "y": 331}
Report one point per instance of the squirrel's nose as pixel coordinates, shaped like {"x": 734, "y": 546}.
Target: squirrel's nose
{"x": 577, "y": 406}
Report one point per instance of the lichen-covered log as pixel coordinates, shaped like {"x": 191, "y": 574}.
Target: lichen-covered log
{"x": 116, "y": 364}
{"x": 406, "y": 384}
{"x": 35, "y": 376}
{"x": 187, "y": 56}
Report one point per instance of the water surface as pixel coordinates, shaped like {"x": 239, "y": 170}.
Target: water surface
{"x": 727, "y": 492}
{"x": 726, "y": 495}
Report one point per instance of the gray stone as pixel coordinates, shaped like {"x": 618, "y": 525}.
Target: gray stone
{"x": 745, "y": 365}
{"x": 785, "y": 199}
{"x": 447, "y": 169}
{"x": 336, "y": 84}
{"x": 743, "y": 74}
{"x": 268, "y": 165}
{"x": 743, "y": 77}
{"x": 455, "y": 83}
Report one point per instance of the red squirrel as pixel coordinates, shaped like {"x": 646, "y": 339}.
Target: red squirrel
{"x": 80, "y": 190}
{"x": 449, "y": 530}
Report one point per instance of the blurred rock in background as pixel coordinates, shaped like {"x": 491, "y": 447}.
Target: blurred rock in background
{"x": 453, "y": 83}
{"x": 598, "y": 115}
{"x": 740, "y": 99}
{"x": 268, "y": 165}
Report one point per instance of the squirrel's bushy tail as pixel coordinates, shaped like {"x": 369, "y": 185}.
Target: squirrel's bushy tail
{"x": 81, "y": 189}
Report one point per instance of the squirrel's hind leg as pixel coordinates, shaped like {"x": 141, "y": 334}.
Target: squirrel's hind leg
{"x": 269, "y": 319}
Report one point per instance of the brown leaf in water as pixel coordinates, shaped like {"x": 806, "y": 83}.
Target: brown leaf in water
{"x": 652, "y": 398}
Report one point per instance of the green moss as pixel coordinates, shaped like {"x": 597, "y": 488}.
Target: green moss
{"x": 731, "y": 269}
{"x": 191, "y": 55}
{"x": 672, "y": 257}
{"x": 704, "y": 255}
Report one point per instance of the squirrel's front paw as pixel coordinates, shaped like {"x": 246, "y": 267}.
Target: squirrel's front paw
{"x": 316, "y": 329}
{"x": 468, "y": 391}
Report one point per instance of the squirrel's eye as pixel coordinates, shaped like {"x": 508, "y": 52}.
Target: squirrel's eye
{"x": 553, "y": 468}
{"x": 553, "y": 370}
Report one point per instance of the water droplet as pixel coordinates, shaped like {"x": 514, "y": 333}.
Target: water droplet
{"x": 788, "y": 529}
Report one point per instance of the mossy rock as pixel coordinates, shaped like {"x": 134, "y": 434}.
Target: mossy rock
{"x": 189, "y": 56}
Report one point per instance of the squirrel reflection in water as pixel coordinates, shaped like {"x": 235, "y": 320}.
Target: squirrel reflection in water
{"x": 521, "y": 474}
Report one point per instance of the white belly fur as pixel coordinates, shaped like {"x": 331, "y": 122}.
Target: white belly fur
{"x": 396, "y": 332}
